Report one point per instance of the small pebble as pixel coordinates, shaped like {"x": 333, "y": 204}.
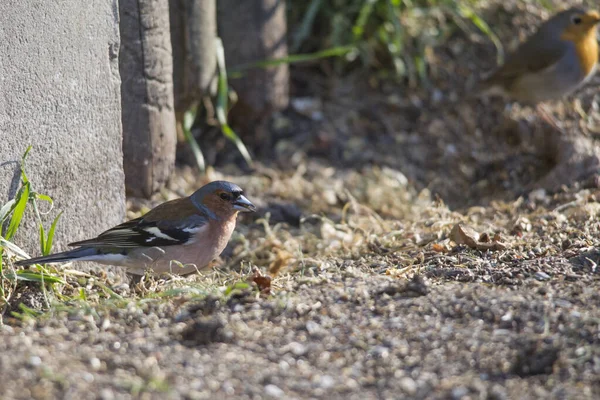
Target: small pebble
{"x": 107, "y": 394}
{"x": 326, "y": 382}
{"x": 298, "y": 349}
{"x": 541, "y": 276}
{"x": 459, "y": 392}
{"x": 35, "y": 361}
{"x": 312, "y": 327}
{"x": 274, "y": 391}
{"x": 95, "y": 363}
{"x": 408, "y": 385}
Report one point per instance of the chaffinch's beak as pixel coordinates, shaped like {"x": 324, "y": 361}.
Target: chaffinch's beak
{"x": 243, "y": 204}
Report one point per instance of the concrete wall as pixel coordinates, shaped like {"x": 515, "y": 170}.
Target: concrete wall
{"x": 59, "y": 91}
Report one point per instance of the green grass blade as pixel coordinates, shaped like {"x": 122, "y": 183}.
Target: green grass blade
{"x": 231, "y": 135}
{"x": 237, "y": 286}
{"x": 396, "y": 45}
{"x": 25, "y": 313}
{"x": 21, "y": 203}
{"x": 294, "y": 58}
{"x": 361, "y": 21}
{"x": 188, "y": 121}
{"x": 23, "y": 174}
{"x": 49, "y": 240}
{"x": 6, "y": 210}
{"x": 306, "y": 25}
{"x": 222, "y": 104}
{"x": 468, "y": 13}
{"x": 30, "y": 276}
{"x": 42, "y": 239}
{"x": 13, "y": 248}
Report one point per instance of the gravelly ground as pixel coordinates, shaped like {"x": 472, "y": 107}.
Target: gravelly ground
{"x": 348, "y": 334}
{"x": 371, "y": 295}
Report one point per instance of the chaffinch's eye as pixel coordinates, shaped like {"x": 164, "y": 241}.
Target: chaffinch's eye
{"x": 576, "y": 19}
{"x": 224, "y": 196}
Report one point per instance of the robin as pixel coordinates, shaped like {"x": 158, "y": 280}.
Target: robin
{"x": 552, "y": 63}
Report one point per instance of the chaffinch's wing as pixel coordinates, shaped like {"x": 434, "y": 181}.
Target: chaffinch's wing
{"x": 171, "y": 223}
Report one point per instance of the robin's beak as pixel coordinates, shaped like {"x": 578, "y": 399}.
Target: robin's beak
{"x": 243, "y": 204}
{"x": 594, "y": 17}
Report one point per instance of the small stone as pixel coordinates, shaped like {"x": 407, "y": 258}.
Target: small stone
{"x": 497, "y": 393}
{"x": 541, "y": 276}
{"x": 35, "y": 361}
{"x": 274, "y": 391}
{"x": 408, "y": 385}
{"x": 459, "y": 392}
{"x": 538, "y": 195}
{"x": 298, "y": 349}
{"x": 326, "y": 382}
{"x": 95, "y": 363}
{"x": 380, "y": 352}
{"x": 312, "y": 327}
{"x": 107, "y": 394}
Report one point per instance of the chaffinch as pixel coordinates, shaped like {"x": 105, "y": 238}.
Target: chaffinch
{"x": 179, "y": 236}
{"x": 553, "y": 62}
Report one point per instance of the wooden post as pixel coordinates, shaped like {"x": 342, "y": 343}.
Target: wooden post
{"x": 146, "y": 67}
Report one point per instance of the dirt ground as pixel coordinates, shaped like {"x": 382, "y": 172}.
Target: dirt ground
{"x": 379, "y": 289}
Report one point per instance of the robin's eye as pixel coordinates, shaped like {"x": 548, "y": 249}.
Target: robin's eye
{"x": 224, "y": 196}
{"x": 576, "y": 20}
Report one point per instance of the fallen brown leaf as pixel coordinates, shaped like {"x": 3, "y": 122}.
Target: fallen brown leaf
{"x": 263, "y": 282}
{"x": 462, "y": 234}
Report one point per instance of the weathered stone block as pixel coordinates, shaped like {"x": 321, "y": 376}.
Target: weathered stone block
{"x": 60, "y": 92}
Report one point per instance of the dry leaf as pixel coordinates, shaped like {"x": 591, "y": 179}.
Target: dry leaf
{"x": 440, "y": 248}
{"x": 263, "y": 282}
{"x": 462, "y": 234}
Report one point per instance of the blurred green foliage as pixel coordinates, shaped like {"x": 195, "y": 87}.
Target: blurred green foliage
{"x": 389, "y": 35}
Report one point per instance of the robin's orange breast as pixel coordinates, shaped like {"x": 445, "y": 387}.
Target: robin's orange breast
{"x": 587, "y": 51}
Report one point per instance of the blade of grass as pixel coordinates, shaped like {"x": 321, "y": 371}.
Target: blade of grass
{"x": 49, "y": 240}
{"x": 222, "y": 104}
{"x": 42, "y": 239}
{"x": 13, "y": 248}
{"x": 188, "y": 121}
{"x": 6, "y": 210}
{"x": 237, "y": 286}
{"x": 25, "y": 313}
{"x": 397, "y": 43}
{"x": 23, "y": 174}
{"x": 306, "y": 25}
{"x": 30, "y": 276}
{"x": 21, "y": 203}
{"x": 467, "y": 12}
{"x": 338, "y": 51}
{"x": 358, "y": 29}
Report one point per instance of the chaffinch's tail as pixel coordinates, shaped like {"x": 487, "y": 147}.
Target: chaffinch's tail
{"x": 79, "y": 254}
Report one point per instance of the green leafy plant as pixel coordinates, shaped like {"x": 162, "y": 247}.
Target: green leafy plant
{"x": 221, "y": 107}
{"x": 11, "y": 216}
